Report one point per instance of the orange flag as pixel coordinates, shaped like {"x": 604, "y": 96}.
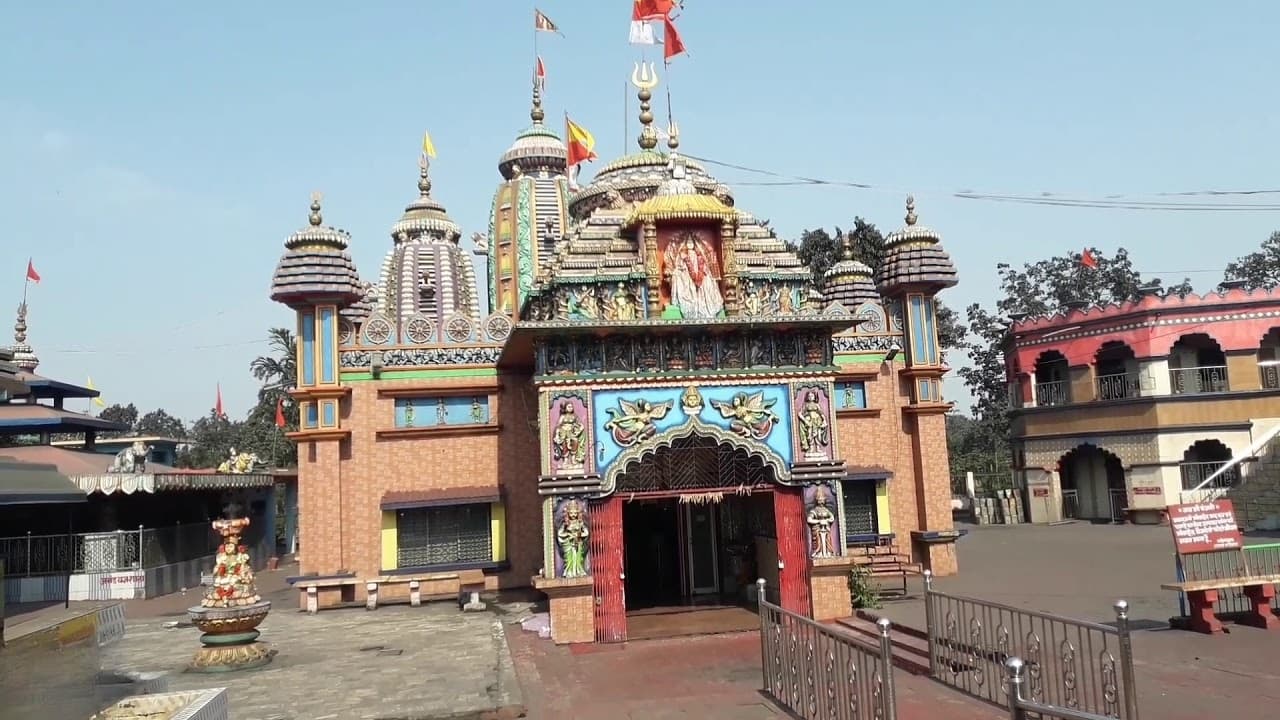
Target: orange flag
{"x": 672, "y": 45}
{"x": 581, "y": 143}
{"x": 32, "y": 275}
{"x": 1088, "y": 259}
{"x": 217, "y": 406}
{"x": 279, "y": 412}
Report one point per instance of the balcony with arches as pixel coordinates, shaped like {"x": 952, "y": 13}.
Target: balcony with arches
{"x": 1197, "y": 365}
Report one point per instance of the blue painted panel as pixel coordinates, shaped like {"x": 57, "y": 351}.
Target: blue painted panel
{"x": 328, "y": 326}
{"x": 330, "y": 413}
{"x": 779, "y": 439}
{"x": 308, "y": 333}
{"x": 930, "y": 333}
{"x": 313, "y": 416}
{"x": 851, "y": 395}
{"x": 915, "y": 309}
{"x": 922, "y": 390}
{"x": 435, "y": 411}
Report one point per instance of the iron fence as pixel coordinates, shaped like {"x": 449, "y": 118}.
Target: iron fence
{"x": 1195, "y": 473}
{"x": 1262, "y": 559}
{"x": 1072, "y": 664}
{"x": 31, "y": 555}
{"x": 1118, "y": 386}
{"x": 1049, "y": 394}
{"x": 1119, "y": 501}
{"x": 1070, "y": 504}
{"x": 1194, "y": 380}
{"x": 815, "y": 672}
{"x": 1024, "y": 708}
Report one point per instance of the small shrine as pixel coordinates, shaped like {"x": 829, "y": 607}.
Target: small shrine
{"x": 231, "y": 609}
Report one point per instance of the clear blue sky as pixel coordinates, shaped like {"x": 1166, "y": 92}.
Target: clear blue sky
{"x": 154, "y": 156}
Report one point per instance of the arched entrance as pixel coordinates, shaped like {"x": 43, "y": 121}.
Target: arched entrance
{"x": 698, "y": 528}
{"x": 1093, "y": 485}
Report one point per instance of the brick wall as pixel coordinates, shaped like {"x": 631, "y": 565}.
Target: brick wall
{"x": 573, "y": 618}
{"x": 830, "y": 591}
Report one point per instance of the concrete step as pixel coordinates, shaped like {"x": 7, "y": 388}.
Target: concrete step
{"x": 910, "y": 653}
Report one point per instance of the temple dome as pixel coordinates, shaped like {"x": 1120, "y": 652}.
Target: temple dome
{"x": 316, "y": 266}
{"x": 914, "y": 257}
{"x": 537, "y": 149}
{"x": 849, "y": 282}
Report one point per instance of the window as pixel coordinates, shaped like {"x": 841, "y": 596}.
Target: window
{"x": 851, "y": 396}
{"x": 442, "y": 410}
{"x": 450, "y": 535}
{"x": 859, "y": 509}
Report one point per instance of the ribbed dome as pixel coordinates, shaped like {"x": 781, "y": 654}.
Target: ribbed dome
{"x": 914, "y": 256}
{"x": 848, "y": 282}
{"x": 537, "y": 149}
{"x": 316, "y": 266}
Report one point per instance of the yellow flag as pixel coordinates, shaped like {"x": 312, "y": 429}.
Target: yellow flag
{"x": 97, "y": 400}
{"x": 428, "y": 148}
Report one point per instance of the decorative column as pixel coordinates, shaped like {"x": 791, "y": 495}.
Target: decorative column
{"x": 652, "y": 267}
{"x": 732, "y": 304}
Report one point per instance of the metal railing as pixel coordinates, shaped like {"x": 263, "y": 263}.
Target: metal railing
{"x": 1057, "y": 392}
{"x": 1023, "y": 708}
{"x": 1119, "y": 501}
{"x": 1190, "y": 381}
{"x": 1194, "y": 474}
{"x": 1076, "y": 665}
{"x": 815, "y": 672}
{"x": 1070, "y": 504}
{"x": 1199, "y": 493}
{"x": 1262, "y": 559}
{"x": 32, "y": 555}
{"x": 1120, "y": 385}
{"x": 1270, "y": 377}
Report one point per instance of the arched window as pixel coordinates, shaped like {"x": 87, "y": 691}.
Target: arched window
{"x": 1053, "y": 382}
{"x": 1197, "y": 365}
{"x": 1116, "y": 370}
{"x": 1269, "y": 359}
{"x": 1202, "y": 460}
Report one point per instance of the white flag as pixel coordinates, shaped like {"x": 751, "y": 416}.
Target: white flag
{"x": 642, "y": 33}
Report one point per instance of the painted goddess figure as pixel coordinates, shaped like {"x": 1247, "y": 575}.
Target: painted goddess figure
{"x": 694, "y": 286}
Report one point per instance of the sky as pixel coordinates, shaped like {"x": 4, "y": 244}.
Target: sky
{"x": 154, "y": 156}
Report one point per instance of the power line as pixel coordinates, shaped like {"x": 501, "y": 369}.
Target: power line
{"x": 100, "y": 351}
{"x": 1120, "y": 201}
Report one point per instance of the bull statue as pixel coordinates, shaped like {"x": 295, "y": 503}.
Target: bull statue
{"x": 131, "y": 460}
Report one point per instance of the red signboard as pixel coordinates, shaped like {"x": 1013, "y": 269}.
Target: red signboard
{"x": 1204, "y": 527}
{"x": 1040, "y": 492}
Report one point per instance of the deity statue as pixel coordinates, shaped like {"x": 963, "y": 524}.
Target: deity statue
{"x": 232, "y": 575}
{"x": 408, "y": 414}
{"x": 572, "y": 536}
{"x": 691, "y": 401}
{"x": 568, "y": 440}
{"x": 849, "y": 399}
{"x": 690, "y": 266}
{"x": 813, "y": 426}
{"x": 477, "y": 411}
{"x": 131, "y": 460}
{"x": 786, "y": 302}
{"x": 751, "y": 302}
{"x": 633, "y": 421}
{"x": 442, "y": 412}
{"x": 584, "y": 304}
{"x": 748, "y": 415}
{"x": 622, "y": 304}
{"x": 820, "y": 520}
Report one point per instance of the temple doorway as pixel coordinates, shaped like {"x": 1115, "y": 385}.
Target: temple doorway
{"x": 697, "y": 530}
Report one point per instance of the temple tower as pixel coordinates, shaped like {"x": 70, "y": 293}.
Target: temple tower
{"x": 23, "y": 356}
{"x": 317, "y": 279}
{"x": 530, "y": 212}
{"x": 914, "y": 271}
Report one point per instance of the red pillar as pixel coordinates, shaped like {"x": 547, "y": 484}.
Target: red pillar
{"x": 793, "y": 550}
{"x": 606, "y": 569}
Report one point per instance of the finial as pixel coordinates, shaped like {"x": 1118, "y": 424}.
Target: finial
{"x": 645, "y": 78}
{"x": 315, "y": 218}
{"x": 536, "y": 113}
{"x": 424, "y": 182}
{"x": 20, "y": 327}
{"x": 911, "y": 210}
{"x": 846, "y": 242}
{"x": 673, "y": 136}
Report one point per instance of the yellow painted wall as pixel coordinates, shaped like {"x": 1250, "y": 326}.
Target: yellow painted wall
{"x": 882, "y": 507}
{"x": 498, "y": 531}
{"x": 390, "y": 543}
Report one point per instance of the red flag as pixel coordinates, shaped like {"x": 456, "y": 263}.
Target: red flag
{"x": 540, "y": 75}
{"x": 652, "y": 9}
{"x": 32, "y": 275}
{"x": 279, "y": 412}
{"x": 1088, "y": 259}
{"x": 672, "y": 45}
{"x": 579, "y": 141}
{"x": 217, "y": 407}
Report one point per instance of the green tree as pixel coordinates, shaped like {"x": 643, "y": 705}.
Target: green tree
{"x": 818, "y": 250}
{"x": 162, "y": 424}
{"x": 277, "y": 371}
{"x": 1259, "y": 270}
{"x": 212, "y": 438}
{"x": 124, "y": 414}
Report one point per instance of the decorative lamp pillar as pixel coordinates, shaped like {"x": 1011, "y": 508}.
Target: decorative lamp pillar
{"x": 231, "y": 609}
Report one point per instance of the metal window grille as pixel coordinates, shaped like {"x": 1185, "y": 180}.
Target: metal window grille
{"x": 859, "y": 508}
{"x": 443, "y": 535}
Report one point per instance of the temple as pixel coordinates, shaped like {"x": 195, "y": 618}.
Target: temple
{"x": 661, "y": 405}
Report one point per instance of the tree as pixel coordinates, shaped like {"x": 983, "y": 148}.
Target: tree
{"x": 126, "y": 415}
{"x": 161, "y": 424}
{"x": 278, "y": 371}
{"x": 1259, "y": 270}
{"x": 818, "y": 250}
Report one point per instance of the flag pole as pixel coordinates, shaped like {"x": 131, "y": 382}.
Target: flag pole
{"x": 626, "y": 115}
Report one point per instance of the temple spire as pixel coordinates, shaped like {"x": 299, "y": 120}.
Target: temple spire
{"x": 315, "y": 218}
{"x": 846, "y": 243}
{"x": 23, "y": 356}
{"x": 536, "y": 113}
{"x": 645, "y": 78}
{"x": 424, "y": 178}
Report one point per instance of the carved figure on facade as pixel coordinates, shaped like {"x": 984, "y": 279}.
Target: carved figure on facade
{"x": 477, "y": 411}
{"x": 131, "y": 460}
{"x": 623, "y": 305}
{"x": 815, "y": 430}
{"x": 634, "y": 421}
{"x": 749, "y": 415}
{"x": 442, "y": 412}
{"x": 572, "y": 533}
{"x": 690, "y": 267}
{"x": 691, "y": 401}
{"x": 239, "y": 463}
{"x": 569, "y": 438}
{"x": 821, "y": 520}
{"x": 583, "y": 304}
{"x": 408, "y": 414}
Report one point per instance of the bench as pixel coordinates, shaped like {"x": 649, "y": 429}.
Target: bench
{"x": 310, "y": 589}
{"x": 1203, "y": 595}
{"x": 470, "y": 584}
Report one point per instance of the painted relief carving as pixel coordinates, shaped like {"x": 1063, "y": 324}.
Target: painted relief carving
{"x": 441, "y": 410}
{"x": 569, "y": 434}
{"x": 612, "y": 300}
{"x": 821, "y": 519}
{"x": 812, "y": 424}
{"x": 572, "y": 533}
{"x": 851, "y": 395}
{"x": 762, "y": 298}
{"x": 748, "y": 415}
{"x": 691, "y": 401}
{"x": 622, "y": 304}
{"x": 691, "y": 271}
{"x": 633, "y": 420}
{"x": 704, "y": 351}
